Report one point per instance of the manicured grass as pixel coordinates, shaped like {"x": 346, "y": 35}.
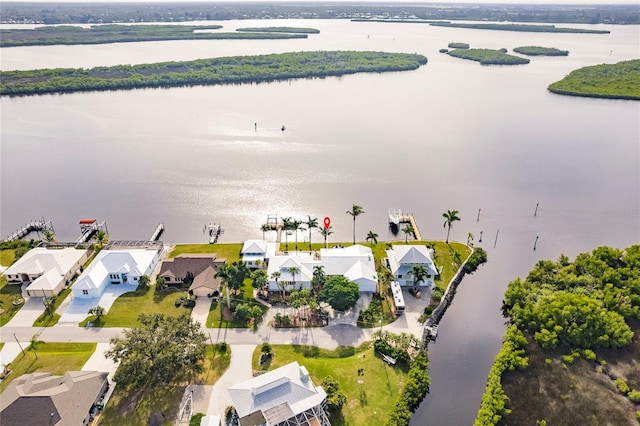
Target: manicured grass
{"x": 369, "y": 402}
{"x": 135, "y": 406}
{"x": 7, "y": 257}
{"x": 7, "y": 293}
{"x": 55, "y": 358}
{"x": 230, "y": 252}
{"x": 127, "y": 308}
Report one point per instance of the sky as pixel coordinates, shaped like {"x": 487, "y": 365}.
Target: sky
{"x": 581, "y": 2}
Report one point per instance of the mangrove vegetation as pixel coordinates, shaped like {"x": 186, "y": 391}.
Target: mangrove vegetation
{"x": 521, "y": 27}
{"x": 616, "y": 81}
{"x": 101, "y": 34}
{"x": 540, "y": 51}
{"x": 455, "y": 45}
{"x": 489, "y": 56}
{"x": 227, "y": 70}
{"x": 295, "y": 30}
{"x": 570, "y": 344}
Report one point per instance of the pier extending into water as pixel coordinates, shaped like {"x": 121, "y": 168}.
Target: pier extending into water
{"x": 89, "y": 227}
{"x": 157, "y": 232}
{"x": 40, "y": 225}
{"x": 396, "y": 217}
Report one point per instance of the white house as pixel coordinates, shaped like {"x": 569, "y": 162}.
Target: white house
{"x": 123, "y": 267}
{"x": 284, "y": 396}
{"x": 46, "y": 270}
{"x": 401, "y": 258}
{"x": 254, "y": 253}
{"x": 355, "y": 262}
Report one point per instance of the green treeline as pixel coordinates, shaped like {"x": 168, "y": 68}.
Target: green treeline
{"x": 488, "y": 56}
{"x": 238, "y": 69}
{"x": 617, "y": 81}
{"x": 540, "y": 51}
{"x": 571, "y": 306}
{"x": 99, "y": 34}
{"x": 520, "y": 27}
{"x": 414, "y": 391}
{"x": 294, "y": 30}
{"x": 454, "y": 45}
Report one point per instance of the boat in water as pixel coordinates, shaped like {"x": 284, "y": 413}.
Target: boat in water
{"x": 395, "y": 215}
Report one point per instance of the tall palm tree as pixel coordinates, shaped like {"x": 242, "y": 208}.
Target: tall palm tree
{"x": 372, "y": 237}
{"x": 265, "y": 228}
{"x": 49, "y": 236}
{"x": 102, "y": 238}
{"x": 419, "y": 273}
{"x": 293, "y": 270}
{"x": 325, "y": 233}
{"x": 318, "y": 278}
{"x": 224, "y": 273}
{"x": 312, "y": 222}
{"x": 297, "y": 226}
{"x": 408, "y": 230}
{"x": 355, "y": 212}
{"x": 287, "y": 223}
{"x": 469, "y": 239}
{"x": 450, "y": 216}
{"x": 275, "y": 275}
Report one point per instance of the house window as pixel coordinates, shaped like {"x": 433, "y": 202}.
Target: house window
{"x": 85, "y": 292}
{"x": 135, "y": 278}
{"x": 400, "y": 276}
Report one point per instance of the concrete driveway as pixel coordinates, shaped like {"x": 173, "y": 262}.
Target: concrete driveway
{"x": 200, "y": 312}
{"x": 76, "y": 310}
{"x": 98, "y": 362}
{"x": 28, "y": 314}
{"x": 239, "y": 371}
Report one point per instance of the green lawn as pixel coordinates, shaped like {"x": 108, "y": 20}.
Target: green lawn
{"x": 230, "y": 252}
{"x": 127, "y": 308}
{"x": 45, "y": 320}
{"x": 7, "y": 257}
{"x": 7, "y": 293}
{"x": 55, "y": 358}
{"x": 134, "y": 406}
{"x": 216, "y": 320}
{"x": 369, "y": 402}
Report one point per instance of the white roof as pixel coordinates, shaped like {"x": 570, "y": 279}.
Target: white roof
{"x": 210, "y": 420}
{"x": 134, "y": 262}
{"x": 254, "y": 246}
{"x": 303, "y": 261}
{"x": 40, "y": 260}
{"x": 46, "y": 282}
{"x": 278, "y": 394}
{"x": 408, "y": 255}
{"x": 354, "y": 262}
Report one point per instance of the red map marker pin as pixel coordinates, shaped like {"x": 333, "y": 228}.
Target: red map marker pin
{"x": 327, "y": 222}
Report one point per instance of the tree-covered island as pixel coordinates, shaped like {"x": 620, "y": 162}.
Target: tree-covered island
{"x": 615, "y": 81}
{"x": 101, "y": 34}
{"x": 294, "y": 30}
{"x": 489, "y": 56}
{"x": 540, "y": 51}
{"x": 571, "y": 353}
{"x": 520, "y": 27}
{"x": 239, "y": 69}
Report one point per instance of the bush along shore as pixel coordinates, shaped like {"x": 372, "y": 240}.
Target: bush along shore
{"x": 228, "y": 70}
{"x": 540, "y": 51}
{"x": 615, "y": 81}
{"x": 489, "y": 56}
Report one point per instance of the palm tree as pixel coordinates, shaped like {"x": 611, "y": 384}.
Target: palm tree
{"x": 312, "y": 222}
{"x": 408, "y": 230}
{"x": 450, "y": 217}
{"x": 286, "y": 227}
{"x": 102, "y": 238}
{"x": 224, "y": 273}
{"x": 469, "y": 239}
{"x": 275, "y": 275}
{"x": 355, "y": 212}
{"x": 293, "y": 270}
{"x": 318, "y": 278}
{"x": 325, "y": 233}
{"x": 49, "y": 236}
{"x": 296, "y": 225}
{"x": 372, "y": 237}
{"x": 265, "y": 228}
{"x": 419, "y": 273}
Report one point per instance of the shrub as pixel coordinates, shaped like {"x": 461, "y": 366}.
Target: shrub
{"x": 622, "y": 386}
{"x": 568, "y": 359}
{"x": 548, "y": 361}
{"x": 477, "y": 258}
{"x": 634, "y": 396}
{"x": 589, "y": 354}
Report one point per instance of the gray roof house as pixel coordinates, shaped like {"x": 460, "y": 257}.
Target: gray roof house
{"x": 282, "y": 397}
{"x": 401, "y": 258}
{"x": 43, "y": 399}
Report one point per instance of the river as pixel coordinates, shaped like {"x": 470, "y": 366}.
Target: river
{"x": 450, "y": 135}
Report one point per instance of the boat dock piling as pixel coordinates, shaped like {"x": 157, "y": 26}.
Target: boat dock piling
{"x": 89, "y": 227}
{"x": 158, "y": 231}
{"x": 40, "y": 225}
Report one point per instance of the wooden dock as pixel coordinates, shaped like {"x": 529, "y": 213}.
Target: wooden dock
{"x": 89, "y": 227}
{"x": 33, "y": 226}
{"x": 408, "y": 218}
{"x": 158, "y": 231}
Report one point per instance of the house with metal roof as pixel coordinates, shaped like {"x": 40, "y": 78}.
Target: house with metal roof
{"x": 285, "y": 396}
{"x": 120, "y": 267}
{"x": 254, "y": 253}
{"x": 401, "y": 258}
{"x": 43, "y": 399}
{"x": 46, "y": 270}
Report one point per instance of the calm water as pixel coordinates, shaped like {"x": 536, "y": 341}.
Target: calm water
{"x": 451, "y": 135}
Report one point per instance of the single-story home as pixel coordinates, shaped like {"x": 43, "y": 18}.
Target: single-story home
{"x": 355, "y": 262}
{"x": 197, "y": 269}
{"x": 43, "y": 399}
{"x": 284, "y": 396}
{"x": 254, "y": 253}
{"x": 46, "y": 270}
{"x": 401, "y": 258}
{"x": 122, "y": 267}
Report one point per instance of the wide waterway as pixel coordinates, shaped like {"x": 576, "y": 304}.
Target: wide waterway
{"x": 451, "y": 135}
